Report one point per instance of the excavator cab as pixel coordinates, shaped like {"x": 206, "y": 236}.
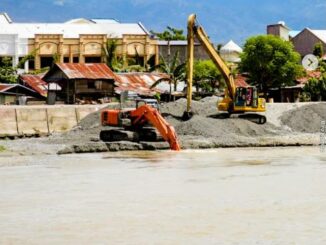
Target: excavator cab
{"x": 246, "y": 96}
{"x": 151, "y": 102}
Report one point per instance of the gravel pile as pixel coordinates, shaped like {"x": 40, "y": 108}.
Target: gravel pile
{"x": 306, "y": 118}
{"x": 298, "y": 126}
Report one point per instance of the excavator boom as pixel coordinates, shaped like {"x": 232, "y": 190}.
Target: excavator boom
{"x": 195, "y": 30}
{"x": 236, "y": 99}
{"x": 146, "y": 114}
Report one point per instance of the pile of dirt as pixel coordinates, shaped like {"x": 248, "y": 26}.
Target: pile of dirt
{"x": 203, "y": 123}
{"x": 204, "y": 107}
{"x": 307, "y": 118}
{"x": 202, "y": 130}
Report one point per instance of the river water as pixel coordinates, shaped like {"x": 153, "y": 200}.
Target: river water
{"x": 222, "y": 196}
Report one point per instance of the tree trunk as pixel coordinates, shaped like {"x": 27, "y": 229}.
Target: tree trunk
{"x": 170, "y": 92}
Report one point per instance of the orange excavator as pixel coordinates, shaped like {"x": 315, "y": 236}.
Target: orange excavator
{"x": 140, "y": 124}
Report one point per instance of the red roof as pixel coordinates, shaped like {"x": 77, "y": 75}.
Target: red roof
{"x": 4, "y": 87}
{"x": 240, "y": 81}
{"x": 140, "y": 83}
{"x": 36, "y": 83}
{"x": 310, "y": 74}
{"x": 87, "y": 71}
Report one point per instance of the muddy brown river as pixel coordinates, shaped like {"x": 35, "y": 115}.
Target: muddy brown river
{"x": 222, "y": 196}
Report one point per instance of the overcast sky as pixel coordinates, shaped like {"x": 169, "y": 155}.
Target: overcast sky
{"x": 222, "y": 19}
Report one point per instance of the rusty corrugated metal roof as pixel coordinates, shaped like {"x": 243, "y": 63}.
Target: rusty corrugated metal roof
{"x": 139, "y": 83}
{"x": 310, "y": 74}
{"x": 240, "y": 81}
{"x": 36, "y": 83}
{"x": 87, "y": 71}
{"x": 4, "y": 87}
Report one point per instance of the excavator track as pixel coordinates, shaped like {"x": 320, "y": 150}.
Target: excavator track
{"x": 256, "y": 118}
{"x": 149, "y": 134}
{"x": 145, "y": 134}
{"x": 118, "y": 135}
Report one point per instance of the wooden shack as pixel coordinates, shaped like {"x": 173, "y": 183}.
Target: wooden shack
{"x": 82, "y": 82}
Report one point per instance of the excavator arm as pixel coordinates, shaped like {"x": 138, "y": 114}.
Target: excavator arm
{"x": 197, "y": 31}
{"x": 145, "y": 114}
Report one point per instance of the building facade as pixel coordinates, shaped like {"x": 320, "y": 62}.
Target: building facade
{"x": 279, "y": 29}
{"x": 74, "y": 41}
{"x": 303, "y": 41}
{"x": 167, "y": 50}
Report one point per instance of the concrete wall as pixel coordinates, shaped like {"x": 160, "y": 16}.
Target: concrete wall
{"x": 42, "y": 120}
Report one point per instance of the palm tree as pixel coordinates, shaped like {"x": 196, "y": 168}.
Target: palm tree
{"x": 174, "y": 70}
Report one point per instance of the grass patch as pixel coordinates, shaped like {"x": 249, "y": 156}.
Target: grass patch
{"x": 2, "y": 148}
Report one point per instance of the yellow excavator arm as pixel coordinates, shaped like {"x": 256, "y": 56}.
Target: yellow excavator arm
{"x": 236, "y": 100}
{"x": 195, "y": 30}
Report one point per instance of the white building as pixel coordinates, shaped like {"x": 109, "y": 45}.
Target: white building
{"x": 230, "y": 52}
{"x": 74, "y": 41}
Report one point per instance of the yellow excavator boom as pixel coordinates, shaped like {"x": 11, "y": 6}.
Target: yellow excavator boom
{"x": 229, "y": 104}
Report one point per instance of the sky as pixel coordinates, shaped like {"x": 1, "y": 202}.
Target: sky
{"x": 222, "y": 19}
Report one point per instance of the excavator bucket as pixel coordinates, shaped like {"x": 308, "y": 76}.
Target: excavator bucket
{"x": 187, "y": 115}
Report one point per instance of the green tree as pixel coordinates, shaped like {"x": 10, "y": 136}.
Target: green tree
{"x": 270, "y": 62}
{"x": 318, "y": 49}
{"x": 112, "y": 61}
{"x": 174, "y": 69}
{"x": 316, "y": 88}
{"x": 169, "y": 34}
{"x": 8, "y": 73}
{"x": 206, "y": 75}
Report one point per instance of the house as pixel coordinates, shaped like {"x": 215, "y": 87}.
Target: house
{"x": 305, "y": 41}
{"x": 82, "y": 82}
{"x": 74, "y": 41}
{"x": 12, "y": 94}
{"x": 294, "y": 92}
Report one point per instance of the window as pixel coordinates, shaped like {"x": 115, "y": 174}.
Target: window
{"x": 75, "y": 60}
{"x": 47, "y": 61}
{"x": 98, "y": 85}
{"x": 31, "y": 65}
{"x": 91, "y": 85}
{"x": 65, "y": 59}
{"x": 93, "y": 59}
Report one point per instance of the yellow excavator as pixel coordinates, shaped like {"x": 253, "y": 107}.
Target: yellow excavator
{"x": 237, "y": 100}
